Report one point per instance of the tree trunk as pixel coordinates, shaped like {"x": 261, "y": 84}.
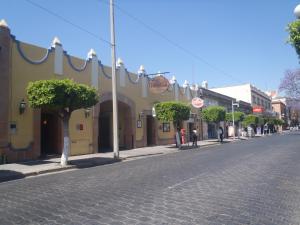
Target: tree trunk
{"x": 66, "y": 148}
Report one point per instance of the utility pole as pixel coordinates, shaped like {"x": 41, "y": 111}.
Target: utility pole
{"x": 114, "y": 82}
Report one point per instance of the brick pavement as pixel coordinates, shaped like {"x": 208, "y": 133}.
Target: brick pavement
{"x": 13, "y": 171}
{"x": 253, "y": 182}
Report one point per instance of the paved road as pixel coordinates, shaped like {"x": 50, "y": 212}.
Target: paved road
{"x": 249, "y": 182}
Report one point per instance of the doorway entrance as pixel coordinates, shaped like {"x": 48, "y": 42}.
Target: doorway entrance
{"x": 105, "y": 132}
{"x": 150, "y": 126}
{"x": 190, "y": 131}
{"x": 125, "y": 129}
{"x": 212, "y": 130}
{"x": 51, "y": 134}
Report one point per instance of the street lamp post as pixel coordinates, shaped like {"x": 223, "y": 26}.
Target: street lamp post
{"x": 232, "y": 110}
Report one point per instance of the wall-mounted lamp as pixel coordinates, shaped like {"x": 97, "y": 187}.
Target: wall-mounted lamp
{"x": 141, "y": 115}
{"x": 87, "y": 112}
{"x": 22, "y": 106}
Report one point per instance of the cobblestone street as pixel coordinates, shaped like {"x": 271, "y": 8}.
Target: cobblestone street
{"x": 248, "y": 182}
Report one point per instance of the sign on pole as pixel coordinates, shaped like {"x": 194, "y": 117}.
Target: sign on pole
{"x": 198, "y": 103}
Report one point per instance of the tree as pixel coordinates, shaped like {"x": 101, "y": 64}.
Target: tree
{"x": 61, "y": 97}
{"x": 294, "y": 35}
{"x": 172, "y": 111}
{"x": 278, "y": 122}
{"x": 214, "y": 114}
{"x": 250, "y": 120}
{"x": 290, "y": 84}
{"x": 238, "y": 117}
{"x": 260, "y": 121}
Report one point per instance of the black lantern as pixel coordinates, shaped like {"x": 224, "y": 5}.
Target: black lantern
{"x": 87, "y": 112}
{"x": 141, "y": 115}
{"x": 22, "y": 106}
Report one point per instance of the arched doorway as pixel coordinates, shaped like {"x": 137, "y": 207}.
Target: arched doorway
{"x": 51, "y": 134}
{"x": 105, "y": 126}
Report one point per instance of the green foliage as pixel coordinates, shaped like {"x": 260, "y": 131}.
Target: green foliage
{"x": 260, "y": 120}
{"x": 172, "y": 111}
{"x": 214, "y": 114}
{"x": 250, "y": 120}
{"x": 238, "y": 116}
{"x": 274, "y": 121}
{"x": 63, "y": 96}
{"x": 294, "y": 35}
{"x": 278, "y": 122}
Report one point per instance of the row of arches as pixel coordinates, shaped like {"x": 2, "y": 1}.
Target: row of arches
{"x": 51, "y": 138}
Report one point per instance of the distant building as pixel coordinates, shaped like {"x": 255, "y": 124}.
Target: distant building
{"x": 279, "y": 107}
{"x": 212, "y": 98}
{"x": 259, "y": 100}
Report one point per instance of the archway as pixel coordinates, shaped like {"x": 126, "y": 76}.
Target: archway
{"x": 105, "y": 126}
{"x": 51, "y": 134}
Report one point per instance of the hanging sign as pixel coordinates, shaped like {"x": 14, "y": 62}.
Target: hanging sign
{"x": 197, "y": 102}
{"x": 158, "y": 84}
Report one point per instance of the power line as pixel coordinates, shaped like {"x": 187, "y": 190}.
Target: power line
{"x": 175, "y": 44}
{"x": 67, "y": 21}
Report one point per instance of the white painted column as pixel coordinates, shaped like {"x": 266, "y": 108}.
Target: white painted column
{"x": 175, "y": 87}
{"x": 95, "y": 69}
{"x": 58, "y": 56}
{"x": 187, "y": 90}
{"x": 121, "y": 73}
{"x": 142, "y": 74}
{"x": 176, "y": 90}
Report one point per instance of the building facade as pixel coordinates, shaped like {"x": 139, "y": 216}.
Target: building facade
{"x": 27, "y": 133}
{"x": 260, "y": 101}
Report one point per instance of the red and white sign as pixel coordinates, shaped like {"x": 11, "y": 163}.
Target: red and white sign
{"x": 258, "y": 109}
{"x": 197, "y": 103}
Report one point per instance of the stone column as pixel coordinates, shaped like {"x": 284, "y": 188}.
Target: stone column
{"x": 5, "y": 73}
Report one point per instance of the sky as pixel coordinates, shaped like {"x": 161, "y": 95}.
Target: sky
{"x": 223, "y": 42}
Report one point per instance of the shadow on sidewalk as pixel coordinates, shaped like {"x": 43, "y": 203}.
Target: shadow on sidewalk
{"x": 7, "y": 175}
{"x": 91, "y": 162}
{"x": 35, "y": 162}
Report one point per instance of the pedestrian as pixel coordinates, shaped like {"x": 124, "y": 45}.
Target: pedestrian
{"x": 194, "y": 137}
{"x": 220, "y": 132}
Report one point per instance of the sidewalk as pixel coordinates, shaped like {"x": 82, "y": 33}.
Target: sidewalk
{"x": 31, "y": 168}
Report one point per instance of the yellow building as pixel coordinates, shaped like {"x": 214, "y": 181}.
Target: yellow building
{"x": 26, "y": 133}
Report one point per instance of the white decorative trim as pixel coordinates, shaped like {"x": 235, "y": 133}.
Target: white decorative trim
{"x": 91, "y": 53}
{"x": 185, "y": 84}
{"x": 55, "y": 42}
{"x": 3, "y": 23}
